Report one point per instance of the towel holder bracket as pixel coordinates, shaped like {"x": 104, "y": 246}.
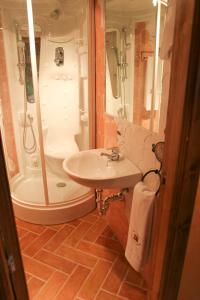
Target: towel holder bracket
{"x": 158, "y": 150}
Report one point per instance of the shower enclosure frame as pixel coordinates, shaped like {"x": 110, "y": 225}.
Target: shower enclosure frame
{"x": 42, "y": 213}
{"x": 37, "y": 96}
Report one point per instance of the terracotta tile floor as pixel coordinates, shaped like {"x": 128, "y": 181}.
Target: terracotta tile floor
{"x": 79, "y": 260}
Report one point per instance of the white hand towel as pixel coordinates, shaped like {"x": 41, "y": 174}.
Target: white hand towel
{"x": 140, "y": 227}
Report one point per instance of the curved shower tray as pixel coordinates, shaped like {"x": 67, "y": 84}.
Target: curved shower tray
{"x": 68, "y": 200}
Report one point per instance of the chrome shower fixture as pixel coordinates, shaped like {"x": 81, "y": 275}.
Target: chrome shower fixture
{"x": 59, "y": 56}
{"x": 21, "y": 59}
{"x": 124, "y": 30}
{"x": 116, "y": 54}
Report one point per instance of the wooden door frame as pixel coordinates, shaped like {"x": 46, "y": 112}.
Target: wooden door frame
{"x": 6, "y": 291}
{"x": 12, "y": 276}
{"x": 92, "y": 74}
{"x": 182, "y": 153}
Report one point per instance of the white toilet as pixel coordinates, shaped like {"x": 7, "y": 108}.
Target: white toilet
{"x": 56, "y": 150}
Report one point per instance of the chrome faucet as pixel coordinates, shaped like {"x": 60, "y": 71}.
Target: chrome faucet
{"x": 115, "y": 155}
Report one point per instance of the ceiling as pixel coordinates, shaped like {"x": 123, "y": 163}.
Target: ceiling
{"x": 129, "y": 5}
{"x": 45, "y": 7}
{"x": 44, "y": 12}
{"x": 69, "y": 5}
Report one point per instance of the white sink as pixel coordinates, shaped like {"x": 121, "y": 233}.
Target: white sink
{"x": 91, "y": 169}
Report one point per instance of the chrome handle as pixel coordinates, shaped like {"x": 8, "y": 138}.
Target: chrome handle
{"x": 114, "y": 149}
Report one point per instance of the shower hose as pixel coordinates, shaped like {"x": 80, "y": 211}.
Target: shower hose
{"x": 28, "y": 123}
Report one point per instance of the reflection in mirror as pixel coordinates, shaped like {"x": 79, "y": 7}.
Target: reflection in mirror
{"x": 112, "y": 52}
{"x": 130, "y": 42}
{"x": 132, "y": 91}
{"x": 119, "y": 68}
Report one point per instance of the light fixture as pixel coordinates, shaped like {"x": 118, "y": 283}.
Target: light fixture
{"x": 164, "y": 2}
{"x": 155, "y": 2}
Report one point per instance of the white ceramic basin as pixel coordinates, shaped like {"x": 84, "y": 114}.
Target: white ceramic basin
{"x": 91, "y": 169}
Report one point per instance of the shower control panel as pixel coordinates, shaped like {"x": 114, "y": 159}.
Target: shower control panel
{"x": 59, "y": 56}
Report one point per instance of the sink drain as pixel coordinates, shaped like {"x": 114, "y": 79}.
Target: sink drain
{"x": 61, "y": 184}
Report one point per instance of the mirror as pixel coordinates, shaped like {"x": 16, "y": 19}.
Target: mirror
{"x": 131, "y": 43}
{"x": 112, "y": 51}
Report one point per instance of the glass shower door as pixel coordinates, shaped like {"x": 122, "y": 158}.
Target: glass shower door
{"x": 63, "y": 90}
{"x": 19, "y": 124}
{"x": 45, "y": 106}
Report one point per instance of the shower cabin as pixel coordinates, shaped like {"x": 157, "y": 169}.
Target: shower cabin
{"x": 46, "y": 104}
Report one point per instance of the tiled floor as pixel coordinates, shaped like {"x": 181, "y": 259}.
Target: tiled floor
{"x": 78, "y": 260}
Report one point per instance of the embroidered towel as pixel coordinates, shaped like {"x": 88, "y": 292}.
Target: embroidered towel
{"x": 140, "y": 227}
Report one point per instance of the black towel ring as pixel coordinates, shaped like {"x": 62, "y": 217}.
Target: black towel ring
{"x": 156, "y": 171}
{"x": 158, "y": 151}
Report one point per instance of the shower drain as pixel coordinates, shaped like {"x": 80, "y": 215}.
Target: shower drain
{"x": 61, "y": 184}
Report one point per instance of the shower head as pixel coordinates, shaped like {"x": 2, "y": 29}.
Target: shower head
{"x": 17, "y": 30}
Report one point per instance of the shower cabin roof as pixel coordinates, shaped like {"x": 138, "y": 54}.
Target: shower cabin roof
{"x": 53, "y": 13}
{"x": 45, "y": 7}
